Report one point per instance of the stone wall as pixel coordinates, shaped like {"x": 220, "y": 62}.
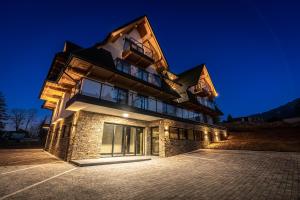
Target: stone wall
{"x": 59, "y": 137}
{"x": 87, "y": 134}
{"x": 80, "y": 136}
{"x": 174, "y": 147}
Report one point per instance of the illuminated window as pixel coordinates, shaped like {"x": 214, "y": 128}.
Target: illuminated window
{"x": 183, "y": 135}
{"x": 190, "y": 134}
{"x": 173, "y": 133}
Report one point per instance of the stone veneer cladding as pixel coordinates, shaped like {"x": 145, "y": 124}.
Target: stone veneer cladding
{"x": 84, "y": 139}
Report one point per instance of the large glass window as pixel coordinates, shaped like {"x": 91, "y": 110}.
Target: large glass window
{"x": 183, "y": 134}
{"x": 142, "y": 74}
{"x": 107, "y": 139}
{"x": 190, "y": 134}
{"x": 173, "y": 133}
{"x": 123, "y": 66}
{"x": 198, "y": 135}
{"x": 119, "y": 140}
{"x": 139, "y": 141}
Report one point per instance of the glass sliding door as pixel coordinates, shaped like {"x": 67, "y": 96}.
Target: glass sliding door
{"x": 139, "y": 141}
{"x": 129, "y": 133}
{"x": 120, "y": 140}
{"x": 107, "y": 139}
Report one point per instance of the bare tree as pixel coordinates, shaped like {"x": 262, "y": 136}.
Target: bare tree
{"x": 17, "y": 116}
{"x": 30, "y": 116}
{"x": 3, "y": 115}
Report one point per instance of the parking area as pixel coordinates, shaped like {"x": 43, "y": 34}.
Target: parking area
{"x": 204, "y": 174}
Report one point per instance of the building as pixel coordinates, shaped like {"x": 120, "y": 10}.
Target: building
{"x": 120, "y": 98}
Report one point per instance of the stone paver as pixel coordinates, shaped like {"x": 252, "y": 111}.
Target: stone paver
{"x": 206, "y": 174}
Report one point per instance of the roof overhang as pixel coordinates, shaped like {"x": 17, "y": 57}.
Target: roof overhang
{"x": 205, "y": 75}
{"x": 143, "y": 26}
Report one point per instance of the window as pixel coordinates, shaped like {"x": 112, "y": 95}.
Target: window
{"x": 123, "y": 66}
{"x": 183, "y": 135}
{"x": 178, "y": 133}
{"x": 190, "y": 134}
{"x": 142, "y": 74}
{"x": 173, "y": 133}
{"x": 198, "y": 135}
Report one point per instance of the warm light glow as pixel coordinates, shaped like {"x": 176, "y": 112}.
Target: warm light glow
{"x": 166, "y": 128}
{"x": 125, "y": 114}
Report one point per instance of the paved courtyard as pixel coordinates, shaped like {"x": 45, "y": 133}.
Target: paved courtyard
{"x": 205, "y": 174}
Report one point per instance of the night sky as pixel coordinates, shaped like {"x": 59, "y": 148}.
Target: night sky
{"x": 251, "y": 48}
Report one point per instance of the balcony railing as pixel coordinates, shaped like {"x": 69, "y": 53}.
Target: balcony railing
{"x": 137, "y": 53}
{"x": 117, "y": 95}
{"x": 206, "y": 102}
{"x": 137, "y": 72}
{"x": 132, "y": 44}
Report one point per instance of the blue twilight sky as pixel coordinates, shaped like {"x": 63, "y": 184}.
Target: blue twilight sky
{"x": 251, "y": 48}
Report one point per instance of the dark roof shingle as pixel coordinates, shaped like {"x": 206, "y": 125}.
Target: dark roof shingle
{"x": 191, "y": 76}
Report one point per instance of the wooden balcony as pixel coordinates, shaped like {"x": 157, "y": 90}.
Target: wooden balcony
{"x": 202, "y": 92}
{"x": 137, "y": 54}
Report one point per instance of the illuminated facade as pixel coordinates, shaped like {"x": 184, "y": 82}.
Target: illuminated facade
{"x": 120, "y": 98}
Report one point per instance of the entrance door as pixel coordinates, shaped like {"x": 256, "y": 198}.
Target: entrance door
{"x": 155, "y": 141}
{"x": 129, "y": 140}
{"x": 120, "y": 140}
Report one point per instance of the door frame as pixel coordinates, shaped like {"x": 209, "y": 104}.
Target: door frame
{"x": 123, "y": 150}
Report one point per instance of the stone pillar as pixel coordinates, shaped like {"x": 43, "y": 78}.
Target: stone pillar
{"x": 87, "y": 136}
{"x": 206, "y": 140}
{"x": 162, "y": 138}
{"x": 216, "y": 135}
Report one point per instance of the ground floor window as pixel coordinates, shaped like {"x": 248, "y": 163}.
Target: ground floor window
{"x": 185, "y": 134}
{"x": 120, "y": 140}
{"x": 198, "y": 135}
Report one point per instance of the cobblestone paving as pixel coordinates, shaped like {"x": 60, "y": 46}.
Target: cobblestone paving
{"x": 205, "y": 174}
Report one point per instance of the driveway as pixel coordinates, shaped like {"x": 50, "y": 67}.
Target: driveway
{"x": 205, "y": 174}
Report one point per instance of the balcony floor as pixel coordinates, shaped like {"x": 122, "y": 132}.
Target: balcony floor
{"x": 78, "y": 105}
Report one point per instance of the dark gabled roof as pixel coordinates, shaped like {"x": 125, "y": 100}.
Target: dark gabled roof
{"x": 56, "y": 66}
{"x": 70, "y": 47}
{"x": 100, "y": 57}
{"x": 60, "y": 59}
{"x": 191, "y": 76}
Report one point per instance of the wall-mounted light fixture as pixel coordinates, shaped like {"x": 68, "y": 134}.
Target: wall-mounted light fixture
{"x": 125, "y": 115}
